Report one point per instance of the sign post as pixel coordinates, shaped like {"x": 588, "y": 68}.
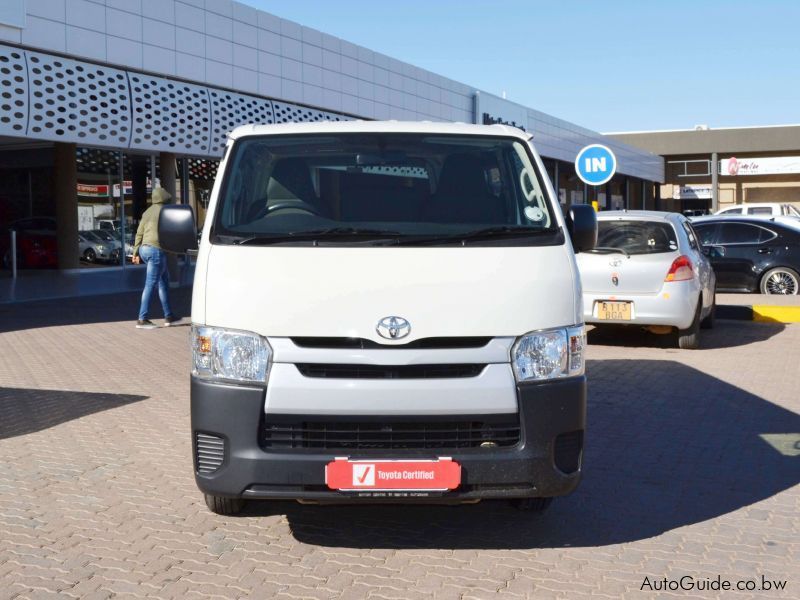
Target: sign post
{"x": 596, "y": 165}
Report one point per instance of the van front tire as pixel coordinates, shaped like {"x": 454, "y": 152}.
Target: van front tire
{"x": 224, "y": 506}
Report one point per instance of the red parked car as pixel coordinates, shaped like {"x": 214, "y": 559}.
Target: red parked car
{"x": 36, "y": 244}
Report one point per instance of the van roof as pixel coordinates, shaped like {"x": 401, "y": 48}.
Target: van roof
{"x": 429, "y": 127}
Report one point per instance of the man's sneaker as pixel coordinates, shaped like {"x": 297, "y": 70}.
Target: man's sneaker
{"x": 146, "y": 324}
{"x": 169, "y": 321}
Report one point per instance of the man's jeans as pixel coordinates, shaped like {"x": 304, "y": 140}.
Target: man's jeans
{"x": 157, "y": 274}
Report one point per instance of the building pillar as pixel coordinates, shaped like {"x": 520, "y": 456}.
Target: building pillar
{"x": 644, "y": 195}
{"x": 166, "y": 164}
{"x": 65, "y": 188}
{"x": 714, "y": 182}
{"x": 139, "y": 166}
{"x": 627, "y": 199}
{"x": 556, "y": 178}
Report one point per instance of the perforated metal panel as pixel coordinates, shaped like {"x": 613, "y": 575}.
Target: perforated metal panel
{"x": 13, "y": 92}
{"x": 48, "y": 97}
{"x": 77, "y": 101}
{"x": 293, "y": 113}
{"x": 229, "y": 110}
{"x": 205, "y": 170}
{"x": 169, "y": 115}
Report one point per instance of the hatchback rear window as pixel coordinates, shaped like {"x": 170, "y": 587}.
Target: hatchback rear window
{"x": 637, "y": 237}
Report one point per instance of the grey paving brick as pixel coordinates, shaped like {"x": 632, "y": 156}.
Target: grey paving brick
{"x": 97, "y": 497}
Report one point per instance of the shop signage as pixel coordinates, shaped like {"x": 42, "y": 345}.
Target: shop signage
{"x": 596, "y": 164}
{"x": 490, "y": 110}
{"x": 689, "y": 192}
{"x": 491, "y": 120}
{"x": 128, "y": 189}
{"x": 770, "y": 165}
{"x": 92, "y": 191}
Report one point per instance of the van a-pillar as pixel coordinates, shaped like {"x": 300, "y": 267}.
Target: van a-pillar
{"x": 65, "y": 185}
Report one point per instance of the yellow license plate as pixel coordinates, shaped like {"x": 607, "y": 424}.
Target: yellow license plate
{"x": 614, "y": 311}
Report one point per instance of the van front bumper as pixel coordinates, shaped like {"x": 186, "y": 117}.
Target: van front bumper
{"x": 552, "y": 418}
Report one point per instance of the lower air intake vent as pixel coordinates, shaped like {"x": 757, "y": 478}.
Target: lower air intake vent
{"x": 210, "y": 452}
{"x": 567, "y": 452}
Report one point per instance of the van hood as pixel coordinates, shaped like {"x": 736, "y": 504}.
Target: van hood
{"x": 344, "y": 292}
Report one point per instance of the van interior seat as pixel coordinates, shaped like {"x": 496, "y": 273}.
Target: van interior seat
{"x": 290, "y": 182}
{"x": 372, "y": 197}
{"x": 463, "y": 195}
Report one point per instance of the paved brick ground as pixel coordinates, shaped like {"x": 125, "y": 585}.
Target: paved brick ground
{"x": 687, "y": 473}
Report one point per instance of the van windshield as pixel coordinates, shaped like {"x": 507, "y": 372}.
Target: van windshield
{"x": 383, "y": 188}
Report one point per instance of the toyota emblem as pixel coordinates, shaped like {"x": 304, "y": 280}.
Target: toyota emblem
{"x": 393, "y": 328}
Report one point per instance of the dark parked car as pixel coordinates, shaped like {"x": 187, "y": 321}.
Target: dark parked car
{"x": 36, "y": 243}
{"x": 752, "y": 254}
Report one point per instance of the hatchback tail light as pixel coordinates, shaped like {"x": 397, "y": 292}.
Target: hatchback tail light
{"x": 682, "y": 269}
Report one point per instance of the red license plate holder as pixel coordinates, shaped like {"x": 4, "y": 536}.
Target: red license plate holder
{"x": 390, "y": 475}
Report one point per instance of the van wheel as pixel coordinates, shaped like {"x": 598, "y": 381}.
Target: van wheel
{"x": 536, "y": 505}
{"x": 224, "y": 506}
{"x": 689, "y": 339}
{"x": 708, "y": 322}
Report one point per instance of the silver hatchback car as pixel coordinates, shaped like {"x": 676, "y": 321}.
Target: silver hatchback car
{"x": 648, "y": 269}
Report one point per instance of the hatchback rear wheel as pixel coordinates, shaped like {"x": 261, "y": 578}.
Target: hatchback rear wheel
{"x": 780, "y": 280}
{"x": 689, "y": 339}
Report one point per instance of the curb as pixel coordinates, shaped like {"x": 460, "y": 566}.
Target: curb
{"x": 761, "y": 313}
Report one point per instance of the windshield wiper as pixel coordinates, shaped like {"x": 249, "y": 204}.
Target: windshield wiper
{"x": 609, "y": 249}
{"x": 503, "y": 231}
{"x": 314, "y": 234}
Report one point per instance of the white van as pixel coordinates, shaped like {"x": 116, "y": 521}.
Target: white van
{"x": 385, "y": 311}
{"x": 769, "y": 209}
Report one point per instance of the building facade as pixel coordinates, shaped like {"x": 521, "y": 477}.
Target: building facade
{"x": 711, "y": 169}
{"x": 100, "y": 98}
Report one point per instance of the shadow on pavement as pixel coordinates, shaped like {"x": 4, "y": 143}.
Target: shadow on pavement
{"x": 24, "y": 410}
{"x": 87, "y": 309}
{"x": 667, "y": 446}
{"x": 747, "y": 332}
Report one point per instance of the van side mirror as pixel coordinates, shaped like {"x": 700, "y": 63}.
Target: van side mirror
{"x": 177, "y": 231}
{"x": 582, "y": 227}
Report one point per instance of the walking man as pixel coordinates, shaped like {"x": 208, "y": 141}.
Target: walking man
{"x": 146, "y": 248}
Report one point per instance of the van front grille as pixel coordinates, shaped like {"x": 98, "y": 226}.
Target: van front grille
{"x": 210, "y": 452}
{"x": 390, "y": 435}
{"x": 434, "y": 343}
{"x": 345, "y": 371}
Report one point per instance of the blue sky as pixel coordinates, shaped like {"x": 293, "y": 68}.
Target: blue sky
{"x": 613, "y": 65}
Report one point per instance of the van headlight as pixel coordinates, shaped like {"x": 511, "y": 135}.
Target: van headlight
{"x": 549, "y": 354}
{"x": 231, "y": 355}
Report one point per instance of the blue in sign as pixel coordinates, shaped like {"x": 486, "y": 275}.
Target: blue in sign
{"x": 596, "y": 164}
